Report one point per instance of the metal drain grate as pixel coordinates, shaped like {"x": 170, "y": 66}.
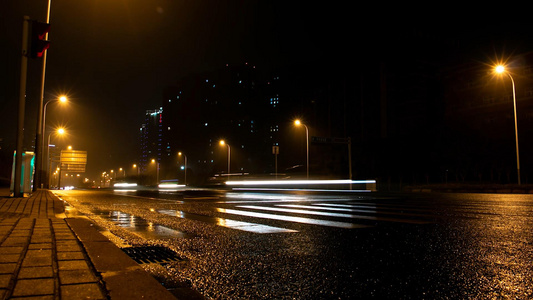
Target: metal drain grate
{"x": 151, "y": 254}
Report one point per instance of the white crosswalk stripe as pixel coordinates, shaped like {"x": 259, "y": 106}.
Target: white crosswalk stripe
{"x": 340, "y": 215}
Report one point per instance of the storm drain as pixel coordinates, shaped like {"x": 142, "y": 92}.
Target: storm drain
{"x": 151, "y": 254}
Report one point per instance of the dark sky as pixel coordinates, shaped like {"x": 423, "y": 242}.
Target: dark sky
{"x": 114, "y": 57}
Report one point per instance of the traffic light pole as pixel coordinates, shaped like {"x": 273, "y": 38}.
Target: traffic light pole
{"x": 39, "y": 141}
{"x": 21, "y": 110}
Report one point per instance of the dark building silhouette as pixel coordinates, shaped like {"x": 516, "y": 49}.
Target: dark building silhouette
{"x": 151, "y": 147}
{"x": 427, "y": 113}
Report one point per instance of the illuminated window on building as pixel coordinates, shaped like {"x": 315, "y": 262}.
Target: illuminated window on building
{"x": 274, "y": 101}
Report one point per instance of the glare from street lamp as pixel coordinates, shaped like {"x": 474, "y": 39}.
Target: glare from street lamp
{"x": 499, "y": 69}
{"x": 222, "y": 143}
{"x": 61, "y": 131}
{"x": 297, "y": 123}
{"x": 63, "y": 99}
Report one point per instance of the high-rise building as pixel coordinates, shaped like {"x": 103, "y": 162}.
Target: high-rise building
{"x": 151, "y": 139}
{"x": 230, "y": 104}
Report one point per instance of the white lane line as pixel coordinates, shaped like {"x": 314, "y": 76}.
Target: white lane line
{"x": 291, "y": 219}
{"x": 320, "y": 213}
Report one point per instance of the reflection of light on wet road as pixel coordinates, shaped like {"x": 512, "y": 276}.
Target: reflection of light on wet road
{"x": 139, "y": 225}
{"x": 330, "y": 214}
{"x": 228, "y": 223}
{"x": 290, "y": 218}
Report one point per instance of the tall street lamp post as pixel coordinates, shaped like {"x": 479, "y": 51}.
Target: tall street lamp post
{"x": 40, "y": 170}
{"x": 222, "y": 143}
{"x": 40, "y": 118}
{"x": 500, "y": 70}
{"x": 59, "y": 131}
{"x": 157, "y": 171}
{"x": 185, "y": 157}
{"x": 298, "y": 123}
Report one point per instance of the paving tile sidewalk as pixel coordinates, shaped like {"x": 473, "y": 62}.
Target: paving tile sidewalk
{"x": 45, "y": 256}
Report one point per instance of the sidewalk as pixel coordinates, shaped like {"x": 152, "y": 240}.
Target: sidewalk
{"x": 46, "y": 256}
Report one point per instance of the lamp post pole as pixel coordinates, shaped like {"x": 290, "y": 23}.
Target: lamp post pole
{"x": 501, "y": 69}
{"x": 185, "y": 158}
{"x": 222, "y": 143}
{"x": 40, "y": 118}
{"x": 298, "y": 123}
{"x": 515, "y": 130}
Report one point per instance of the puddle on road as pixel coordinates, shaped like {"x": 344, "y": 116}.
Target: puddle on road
{"x": 139, "y": 225}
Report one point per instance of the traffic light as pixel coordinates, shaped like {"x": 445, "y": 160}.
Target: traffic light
{"x": 38, "y": 44}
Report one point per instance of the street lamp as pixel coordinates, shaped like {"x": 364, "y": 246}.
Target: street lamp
{"x": 157, "y": 171}
{"x": 59, "y": 131}
{"x": 40, "y": 121}
{"x": 500, "y": 70}
{"x": 138, "y": 169}
{"x": 222, "y": 143}
{"x": 40, "y": 153}
{"x": 185, "y": 157}
{"x": 299, "y": 123}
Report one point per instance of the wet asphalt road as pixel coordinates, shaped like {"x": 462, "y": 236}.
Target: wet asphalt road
{"x": 244, "y": 245}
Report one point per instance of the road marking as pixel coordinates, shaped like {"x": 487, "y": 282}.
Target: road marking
{"x": 228, "y": 223}
{"x": 291, "y": 219}
{"x": 370, "y": 210}
{"x": 329, "y": 214}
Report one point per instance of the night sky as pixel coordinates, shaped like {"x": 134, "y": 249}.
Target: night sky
{"x": 113, "y": 58}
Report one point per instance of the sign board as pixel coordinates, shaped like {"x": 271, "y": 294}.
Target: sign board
{"x": 275, "y": 149}
{"x": 73, "y": 160}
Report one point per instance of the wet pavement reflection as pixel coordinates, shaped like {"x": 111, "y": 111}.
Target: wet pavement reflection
{"x": 334, "y": 246}
{"x": 239, "y": 225}
{"x": 139, "y": 225}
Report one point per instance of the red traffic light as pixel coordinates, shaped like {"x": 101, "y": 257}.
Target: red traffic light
{"x": 38, "y": 44}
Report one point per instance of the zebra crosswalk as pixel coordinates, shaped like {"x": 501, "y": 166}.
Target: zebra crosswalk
{"x": 341, "y": 213}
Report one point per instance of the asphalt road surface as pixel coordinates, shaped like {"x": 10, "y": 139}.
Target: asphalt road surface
{"x": 273, "y": 245}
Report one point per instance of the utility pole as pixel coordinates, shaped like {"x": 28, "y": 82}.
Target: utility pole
{"x": 39, "y": 141}
{"x": 22, "y": 108}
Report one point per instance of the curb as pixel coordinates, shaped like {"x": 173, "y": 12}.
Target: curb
{"x": 122, "y": 276}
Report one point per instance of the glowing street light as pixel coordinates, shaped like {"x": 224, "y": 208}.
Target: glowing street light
{"x": 500, "y": 69}
{"x": 222, "y": 143}
{"x": 185, "y": 157}
{"x": 157, "y": 170}
{"x": 299, "y": 123}
{"x": 138, "y": 169}
{"x": 40, "y": 153}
